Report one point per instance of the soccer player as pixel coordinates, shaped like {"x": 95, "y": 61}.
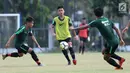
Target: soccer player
{"x": 62, "y": 24}
{"x": 105, "y": 27}
{"x": 83, "y": 34}
{"x": 20, "y": 37}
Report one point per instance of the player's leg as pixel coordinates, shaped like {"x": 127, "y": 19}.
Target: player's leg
{"x": 107, "y": 56}
{"x": 81, "y": 45}
{"x": 84, "y": 43}
{"x": 72, "y": 53}
{"x": 14, "y": 54}
{"x": 120, "y": 59}
{"x": 65, "y": 53}
{"x": 27, "y": 49}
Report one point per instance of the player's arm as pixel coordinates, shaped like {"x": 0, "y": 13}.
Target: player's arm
{"x": 119, "y": 35}
{"x": 52, "y": 27}
{"x": 10, "y": 39}
{"x": 82, "y": 27}
{"x": 126, "y": 28}
{"x": 71, "y": 27}
{"x": 34, "y": 39}
{"x": 13, "y": 36}
{"x": 73, "y": 31}
{"x": 91, "y": 24}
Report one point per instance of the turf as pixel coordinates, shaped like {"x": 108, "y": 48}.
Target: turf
{"x": 56, "y": 63}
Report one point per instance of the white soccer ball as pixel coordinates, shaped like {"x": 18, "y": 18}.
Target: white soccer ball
{"x": 64, "y": 45}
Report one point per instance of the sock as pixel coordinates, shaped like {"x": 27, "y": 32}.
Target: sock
{"x": 72, "y": 53}
{"x": 113, "y": 63}
{"x": 116, "y": 57}
{"x": 15, "y": 54}
{"x": 83, "y": 49}
{"x": 35, "y": 58}
{"x": 66, "y": 55}
{"x": 80, "y": 49}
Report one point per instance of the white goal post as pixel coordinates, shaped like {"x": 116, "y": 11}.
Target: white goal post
{"x": 11, "y": 15}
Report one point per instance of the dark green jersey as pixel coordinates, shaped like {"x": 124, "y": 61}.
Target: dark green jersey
{"x": 105, "y": 27}
{"x": 21, "y": 35}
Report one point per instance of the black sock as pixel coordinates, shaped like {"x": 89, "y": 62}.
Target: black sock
{"x": 72, "y": 53}
{"x": 116, "y": 57}
{"x": 35, "y": 58}
{"x": 80, "y": 49}
{"x": 15, "y": 54}
{"x": 66, "y": 55}
{"x": 113, "y": 63}
{"x": 83, "y": 49}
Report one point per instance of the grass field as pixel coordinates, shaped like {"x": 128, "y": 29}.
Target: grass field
{"x": 56, "y": 63}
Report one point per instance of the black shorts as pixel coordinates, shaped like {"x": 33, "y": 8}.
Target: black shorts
{"x": 109, "y": 49}
{"x": 66, "y": 40}
{"x": 22, "y": 48}
{"x": 83, "y": 39}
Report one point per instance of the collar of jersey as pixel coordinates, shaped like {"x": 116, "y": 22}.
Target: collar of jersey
{"x": 61, "y": 19}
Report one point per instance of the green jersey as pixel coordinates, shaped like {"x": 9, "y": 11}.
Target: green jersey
{"x": 21, "y": 34}
{"x": 105, "y": 26}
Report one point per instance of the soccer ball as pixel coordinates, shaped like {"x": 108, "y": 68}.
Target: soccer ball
{"x": 64, "y": 45}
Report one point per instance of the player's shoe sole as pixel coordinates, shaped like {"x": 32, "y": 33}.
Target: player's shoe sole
{"x": 121, "y": 62}
{"x": 118, "y": 68}
{"x": 3, "y": 57}
{"x": 74, "y": 62}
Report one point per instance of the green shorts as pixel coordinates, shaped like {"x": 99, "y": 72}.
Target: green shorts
{"x": 110, "y": 49}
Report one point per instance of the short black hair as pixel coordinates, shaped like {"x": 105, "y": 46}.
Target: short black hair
{"x": 60, "y": 7}
{"x": 83, "y": 18}
{"x": 98, "y": 12}
{"x": 29, "y": 19}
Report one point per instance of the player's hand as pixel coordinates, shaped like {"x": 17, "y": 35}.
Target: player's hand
{"x": 125, "y": 29}
{"x": 40, "y": 48}
{"x": 76, "y": 37}
{"x": 7, "y": 45}
{"x": 122, "y": 43}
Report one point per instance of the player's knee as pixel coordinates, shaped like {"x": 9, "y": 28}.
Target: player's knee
{"x": 81, "y": 43}
{"x": 20, "y": 54}
{"x": 103, "y": 51}
{"x": 30, "y": 50}
{"x": 70, "y": 44}
{"x": 106, "y": 57}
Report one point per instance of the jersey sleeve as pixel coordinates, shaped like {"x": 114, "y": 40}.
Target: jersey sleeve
{"x": 20, "y": 30}
{"x": 112, "y": 24}
{"x": 92, "y": 23}
{"x": 53, "y": 22}
{"x": 30, "y": 32}
{"x": 70, "y": 22}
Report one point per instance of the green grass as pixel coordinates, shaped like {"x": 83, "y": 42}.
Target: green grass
{"x": 56, "y": 63}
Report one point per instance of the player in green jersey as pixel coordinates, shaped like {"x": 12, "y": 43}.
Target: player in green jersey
{"x": 105, "y": 27}
{"x": 20, "y": 36}
{"x": 62, "y": 24}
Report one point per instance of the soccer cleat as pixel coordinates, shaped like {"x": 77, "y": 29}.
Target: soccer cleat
{"x": 40, "y": 65}
{"x": 121, "y": 62}
{"x": 4, "y": 56}
{"x": 74, "y": 62}
{"x": 120, "y": 68}
{"x": 69, "y": 63}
